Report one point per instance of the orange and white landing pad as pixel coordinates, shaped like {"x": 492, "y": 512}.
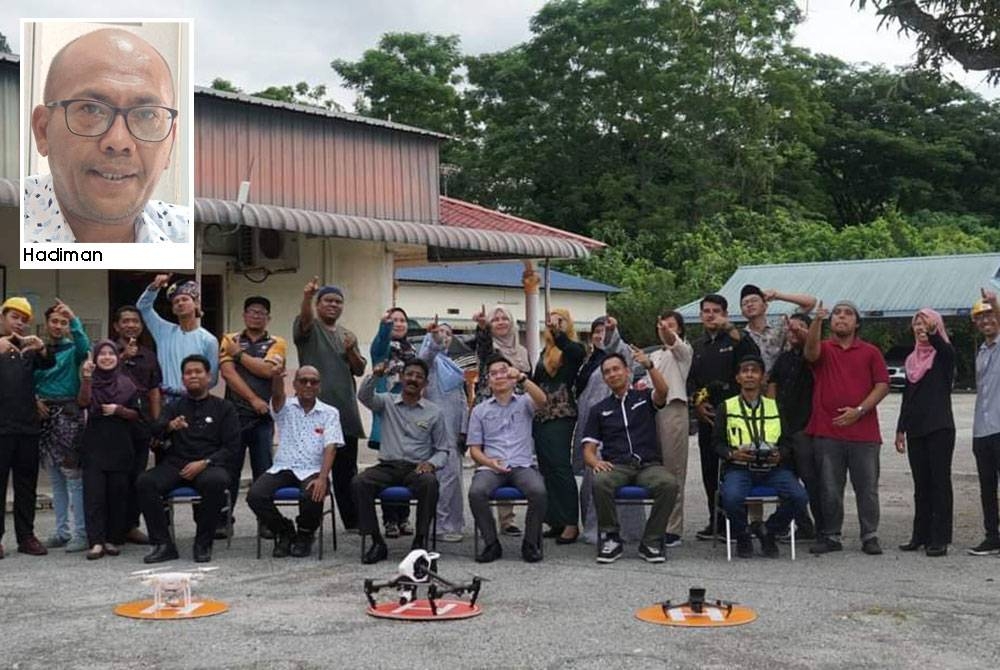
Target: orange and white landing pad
{"x": 147, "y": 609}
{"x": 420, "y": 610}
{"x": 709, "y": 616}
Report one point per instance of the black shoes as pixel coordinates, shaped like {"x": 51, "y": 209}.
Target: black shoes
{"x": 377, "y": 552}
{"x": 871, "y": 547}
{"x": 611, "y": 549}
{"x": 302, "y": 545}
{"x": 652, "y": 553}
{"x": 937, "y": 550}
{"x": 769, "y": 545}
{"x": 282, "y": 545}
{"x": 553, "y": 531}
{"x": 530, "y": 553}
{"x": 490, "y": 553}
{"x": 202, "y": 553}
{"x": 744, "y": 545}
{"x": 987, "y": 547}
{"x": 824, "y": 546}
{"x": 912, "y": 545}
{"x": 161, "y": 553}
{"x": 419, "y": 542}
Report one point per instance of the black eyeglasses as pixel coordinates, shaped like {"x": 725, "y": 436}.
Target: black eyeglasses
{"x": 92, "y": 118}
{"x": 308, "y": 381}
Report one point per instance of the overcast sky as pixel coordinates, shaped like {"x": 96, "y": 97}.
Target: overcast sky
{"x": 258, "y": 43}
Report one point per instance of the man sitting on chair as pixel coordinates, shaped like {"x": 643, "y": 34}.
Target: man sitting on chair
{"x": 204, "y": 434}
{"x": 624, "y": 426}
{"x": 747, "y": 437}
{"x": 414, "y": 445}
{"x": 309, "y": 435}
{"x": 500, "y": 443}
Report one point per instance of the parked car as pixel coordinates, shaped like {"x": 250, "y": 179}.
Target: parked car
{"x": 895, "y": 360}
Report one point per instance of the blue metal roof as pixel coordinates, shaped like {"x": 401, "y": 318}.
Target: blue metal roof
{"x": 889, "y": 288}
{"x": 497, "y": 274}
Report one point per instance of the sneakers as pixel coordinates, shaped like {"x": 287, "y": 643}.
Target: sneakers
{"x": 652, "y": 554}
{"x": 56, "y": 541}
{"x": 744, "y": 545}
{"x": 985, "y": 548}
{"x": 871, "y": 547}
{"x": 77, "y": 544}
{"x": 825, "y": 546}
{"x": 671, "y": 541}
{"x": 611, "y": 550}
{"x": 391, "y": 530}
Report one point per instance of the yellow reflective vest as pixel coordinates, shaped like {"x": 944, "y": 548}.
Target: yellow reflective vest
{"x": 744, "y": 424}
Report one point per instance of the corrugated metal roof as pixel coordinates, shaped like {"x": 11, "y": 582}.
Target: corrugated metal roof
{"x": 316, "y": 111}
{"x": 325, "y": 224}
{"x": 497, "y": 274}
{"x": 890, "y": 287}
{"x": 456, "y": 212}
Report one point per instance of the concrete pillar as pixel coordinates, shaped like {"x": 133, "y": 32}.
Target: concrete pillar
{"x": 531, "y": 281}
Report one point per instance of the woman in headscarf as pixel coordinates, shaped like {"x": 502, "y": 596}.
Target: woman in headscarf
{"x": 590, "y": 390}
{"x": 111, "y": 401}
{"x": 390, "y": 344}
{"x": 926, "y": 426}
{"x": 556, "y": 373}
{"x": 496, "y": 332}
{"x": 446, "y": 389}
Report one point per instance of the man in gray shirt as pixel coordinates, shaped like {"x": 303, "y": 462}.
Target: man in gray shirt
{"x": 500, "y": 443}
{"x": 986, "y": 420}
{"x": 414, "y": 445}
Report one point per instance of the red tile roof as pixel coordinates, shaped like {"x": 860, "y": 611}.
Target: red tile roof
{"x": 466, "y": 215}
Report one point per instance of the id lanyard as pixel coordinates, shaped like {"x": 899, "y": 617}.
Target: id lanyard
{"x": 755, "y": 427}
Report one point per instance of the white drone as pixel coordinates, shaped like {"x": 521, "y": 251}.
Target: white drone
{"x": 171, "y": 589}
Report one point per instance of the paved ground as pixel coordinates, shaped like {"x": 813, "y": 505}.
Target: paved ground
{"x": 842, "y": 610}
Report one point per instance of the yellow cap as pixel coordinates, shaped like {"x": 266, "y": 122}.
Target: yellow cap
{"x": 20, "y": 304}
{"x": 981, "y": 307}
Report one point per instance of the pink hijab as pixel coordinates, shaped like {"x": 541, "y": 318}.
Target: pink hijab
{"x": 921, "y": 358}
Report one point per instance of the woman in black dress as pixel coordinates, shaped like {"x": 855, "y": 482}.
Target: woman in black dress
{"x": 111, "y": 401}
{"x": 927, "y": 427}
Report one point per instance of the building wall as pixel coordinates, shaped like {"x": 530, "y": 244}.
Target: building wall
{"x": 423, "y": 300}
{"x": 313, "y": 162}
{"x": 8, "y": 120}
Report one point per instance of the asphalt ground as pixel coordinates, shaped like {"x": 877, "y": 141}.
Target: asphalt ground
{"x": 840, "y": 610}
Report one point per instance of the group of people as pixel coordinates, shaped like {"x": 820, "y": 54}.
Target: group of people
{"x": 774, "y": 404}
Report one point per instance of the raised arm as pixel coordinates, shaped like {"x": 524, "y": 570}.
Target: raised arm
{"x": 805, "y": 301}
{"x": 304, "y": 324}
{"x": 811, "y": 350}
{"x": 366, "y": 392}
{"x": 156, "y": 324}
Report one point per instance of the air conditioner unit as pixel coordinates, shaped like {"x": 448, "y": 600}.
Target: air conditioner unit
{"x": 264, "y": 249}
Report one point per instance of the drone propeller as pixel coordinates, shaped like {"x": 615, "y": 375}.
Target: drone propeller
{"x": 206, "y": 569}
{"x": 144, "y": 573}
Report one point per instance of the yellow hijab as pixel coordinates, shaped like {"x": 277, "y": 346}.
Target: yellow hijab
{"x": 552, "y": 355}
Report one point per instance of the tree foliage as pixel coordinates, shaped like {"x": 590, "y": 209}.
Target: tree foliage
{"x": 4, "y": 45}
{"x": 967, "y": 31}
{"x": 300, "y": 94}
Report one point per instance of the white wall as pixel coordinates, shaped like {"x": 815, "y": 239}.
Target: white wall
{"x": 423, "y": 300}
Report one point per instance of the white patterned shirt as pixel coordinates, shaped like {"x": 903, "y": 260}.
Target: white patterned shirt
{"x": 303, "y": 437}
{"x": 44, "y": 222}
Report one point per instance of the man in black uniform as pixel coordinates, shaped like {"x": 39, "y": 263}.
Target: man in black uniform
{"x": 711, "y": 381}
{"x": 204, "y": 433}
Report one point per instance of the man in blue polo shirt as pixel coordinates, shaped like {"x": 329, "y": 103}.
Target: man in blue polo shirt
{"x": 623, "y": 425}
{"x": 500, "y": 443}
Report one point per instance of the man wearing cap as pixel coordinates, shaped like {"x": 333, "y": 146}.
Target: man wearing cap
{"x": 249, "y": 361}
{"x": 20, "y": 356}
{"x": 986, "y": 419}
{"x": 711, "y": 380}
{"x": 176, "y": 341}
{"x": 850, "y": 380}
{"x": 770, "y": 339}
{"x": 107, "y": 125}
{"x": 333, "y": 350}
{"x": 748, "y": 438}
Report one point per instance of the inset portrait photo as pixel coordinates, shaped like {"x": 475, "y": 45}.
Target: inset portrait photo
{"x": 107, "y": 122}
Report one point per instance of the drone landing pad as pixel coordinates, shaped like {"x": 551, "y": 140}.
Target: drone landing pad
{"x": 144, "y": 609}
{"x": 420, "y": 610}
{"x": 710, "y": 616}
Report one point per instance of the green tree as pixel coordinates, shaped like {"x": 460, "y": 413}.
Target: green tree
{"x": 300, "y": 94}
{"x": 4, "y": 46}
{"x": 967, "y": 31}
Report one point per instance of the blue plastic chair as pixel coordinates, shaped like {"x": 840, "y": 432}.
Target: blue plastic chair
{"x": 402, "y": 495}
{"x": 289, "y": 496}
{"x": 501, "y": 495}
{"x": 187, "y": 495}
{"x": 629, "y": 495}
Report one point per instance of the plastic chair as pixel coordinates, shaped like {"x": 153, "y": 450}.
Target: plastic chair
{"x": 629, "y": 495}
{"x": 501, "y": 495}
{"x": 760, "y": 495}
{"x": 187, "y": 495}
{"x": 399, "y": 496}
{"x": 289, "y": 496}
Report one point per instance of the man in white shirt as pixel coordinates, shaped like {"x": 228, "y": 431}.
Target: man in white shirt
{"x": 309, "y": 435}
{"x": 107, "y": 125}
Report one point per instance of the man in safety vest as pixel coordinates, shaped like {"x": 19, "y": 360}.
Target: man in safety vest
{"x": 747, "y": 437}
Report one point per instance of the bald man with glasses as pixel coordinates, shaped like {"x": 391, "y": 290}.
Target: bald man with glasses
{"x": 107, "y": 125}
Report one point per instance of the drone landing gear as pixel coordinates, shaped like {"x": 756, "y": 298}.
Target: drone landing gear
{"x": 696, "y": 612}
{"x": 419, "y": 569}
